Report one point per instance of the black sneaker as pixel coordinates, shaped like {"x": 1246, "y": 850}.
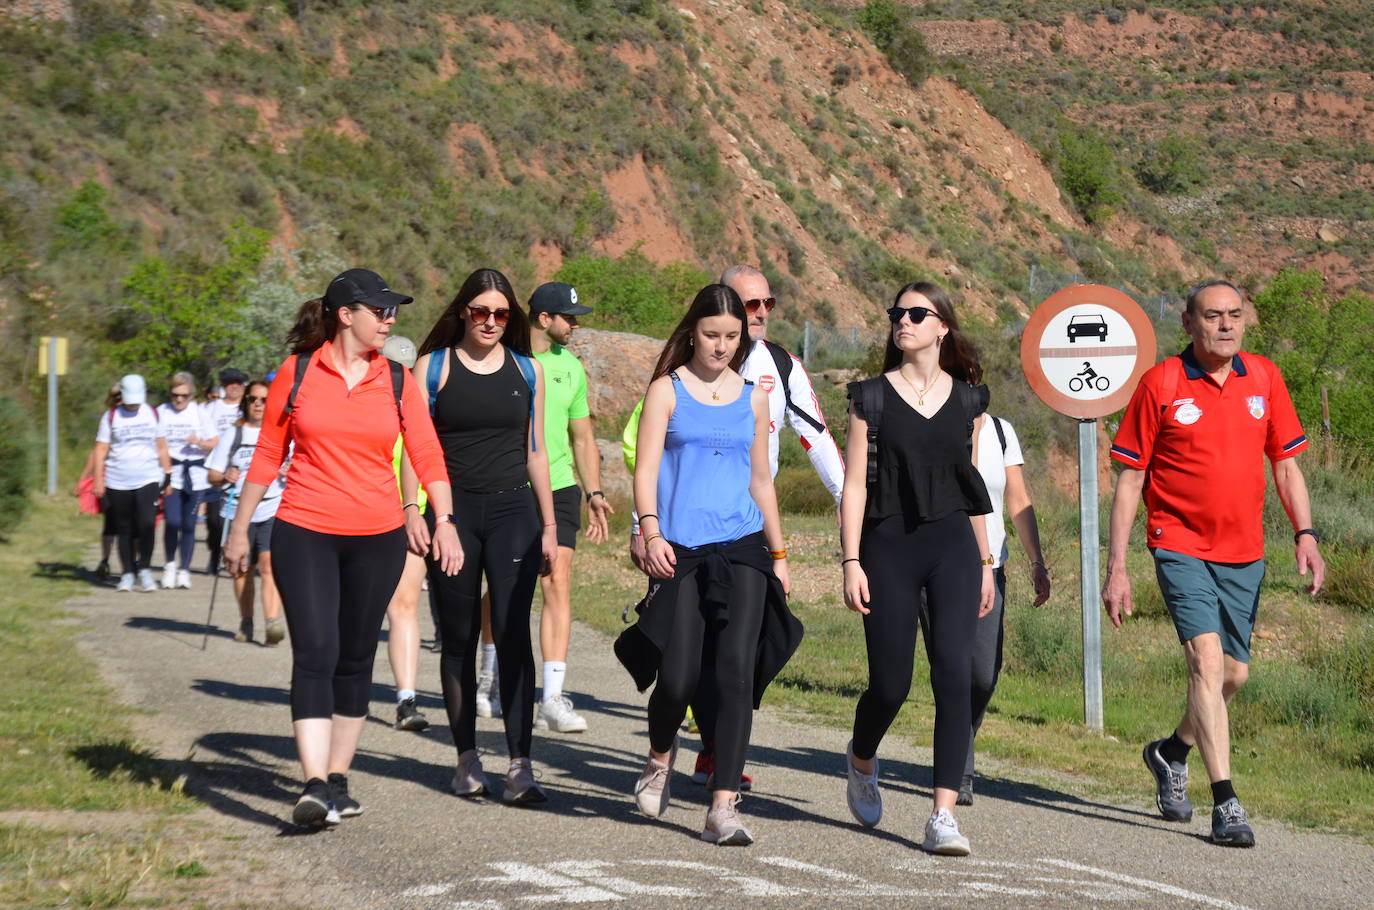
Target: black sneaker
{"x": 315, "y": 809}
{"x": 245, "y": 632}
{"x": 1230, "y": 827}
{"x": 102, "y": 571}
{"x": 1171, "y": 784}
{"x": 965, "y": 797}
{"x": 348, "y": 806}
{"x": 409, "y": 717}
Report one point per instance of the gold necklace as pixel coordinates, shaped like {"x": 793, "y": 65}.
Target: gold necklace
{"x": 715, "y": 396}
{"x": 920, "y": 393}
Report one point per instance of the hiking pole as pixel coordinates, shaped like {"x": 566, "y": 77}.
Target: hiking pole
{"x": 227, "y": 514}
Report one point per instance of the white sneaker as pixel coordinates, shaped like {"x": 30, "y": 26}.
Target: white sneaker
{"x": 184, "y": 579}
{"x": 558, "y": 715}
{"x": 943, "y": 837}
{"x": 488, "y": 695}
{"x": 146, "y": 581}
{"x": 126, "y": 582}
{"x": 865, "y": 801}
{"x": 169, "y": 575}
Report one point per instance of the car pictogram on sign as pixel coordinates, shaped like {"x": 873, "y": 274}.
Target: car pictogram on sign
{"x": 1087, "y": 324}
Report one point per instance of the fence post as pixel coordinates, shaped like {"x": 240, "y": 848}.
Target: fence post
{"x": 806, "y": 343}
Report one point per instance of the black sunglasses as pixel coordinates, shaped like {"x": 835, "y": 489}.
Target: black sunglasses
{"x": 917, "y": 314}
{"x": 383, "y": 313}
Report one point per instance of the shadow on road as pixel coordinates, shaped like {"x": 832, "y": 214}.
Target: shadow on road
{"x": 178, "y": 630}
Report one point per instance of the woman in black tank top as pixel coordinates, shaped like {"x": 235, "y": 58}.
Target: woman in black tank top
{"x": 488, "y": 407}
{"x": 916, "y": 530}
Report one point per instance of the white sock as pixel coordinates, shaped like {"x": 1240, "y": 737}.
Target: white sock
{"x": 554, "y": 671}
{"x": 403, "y": 694}
{"x": 489, "y": 658}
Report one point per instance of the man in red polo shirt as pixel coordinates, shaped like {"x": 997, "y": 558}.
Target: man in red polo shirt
{"x": 1194, "y": 440}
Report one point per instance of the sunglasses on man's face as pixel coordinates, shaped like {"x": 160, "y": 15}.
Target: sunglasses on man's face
{"x": 181, "y": 394}
{"x": 256, "y": 399}
{"x": 383, "y": 313}
{"x": 481, "y": 314}
{"x": 917, "y": 314}
{"x": 766, "y": 302}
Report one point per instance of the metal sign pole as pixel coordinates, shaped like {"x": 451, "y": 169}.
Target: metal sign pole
{"x": 52, "y": 416}
{"x": 1088, "y": 562}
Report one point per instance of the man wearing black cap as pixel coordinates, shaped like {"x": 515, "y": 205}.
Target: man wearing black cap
{"x": 224, "y": 413}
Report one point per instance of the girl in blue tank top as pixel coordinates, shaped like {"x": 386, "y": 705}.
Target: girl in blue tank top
{"x": 713, "y": 543}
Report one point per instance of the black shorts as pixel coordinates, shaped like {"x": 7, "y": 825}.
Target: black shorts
{"x": 567, "y": 511}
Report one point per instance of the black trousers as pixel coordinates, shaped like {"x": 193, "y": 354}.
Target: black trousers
{"x": 133, "y": 514}
{"x": 500, "y": 535}
{"x": 334, "y": 589}
{"x": 940, "y": 560}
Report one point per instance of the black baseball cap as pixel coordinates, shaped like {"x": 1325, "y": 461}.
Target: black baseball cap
{"x": 229, "y": 376}
{"x": 557, "y": 298}
{"x": 362, "y": 286}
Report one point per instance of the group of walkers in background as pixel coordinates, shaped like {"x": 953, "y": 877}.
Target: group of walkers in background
{"x": 373, "y": 469}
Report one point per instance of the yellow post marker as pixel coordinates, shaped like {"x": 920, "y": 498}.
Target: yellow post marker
{"x": 44, "y": 348}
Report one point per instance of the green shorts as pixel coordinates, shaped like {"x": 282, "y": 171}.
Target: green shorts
{"x": 1202, "y": 596}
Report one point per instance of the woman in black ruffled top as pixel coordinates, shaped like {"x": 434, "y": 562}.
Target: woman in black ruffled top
{"x": 912, "y": 524}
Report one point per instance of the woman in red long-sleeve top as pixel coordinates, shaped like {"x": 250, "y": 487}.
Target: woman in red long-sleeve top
{"x": 339, "y": 542}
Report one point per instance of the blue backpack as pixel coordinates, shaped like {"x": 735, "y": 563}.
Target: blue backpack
{"x": 436, "y": 370}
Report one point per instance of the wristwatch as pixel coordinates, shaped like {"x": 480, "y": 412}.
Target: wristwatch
{"x": 1316, "y": 535}
{"x": 988, "y": 560}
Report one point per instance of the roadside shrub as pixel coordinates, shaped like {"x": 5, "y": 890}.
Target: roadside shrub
{"x": 18, "y": 447}
{"x": 1044, "y": 642}
{"x": 1087, "y": 172}
{"x": 1170, "y": 165}
{"x": 632, "y": 294}
{"x": 890, "y": 27}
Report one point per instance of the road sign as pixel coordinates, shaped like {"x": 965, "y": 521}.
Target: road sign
{"x": 1085, "y": 348}
{"x": 45, "y": 348}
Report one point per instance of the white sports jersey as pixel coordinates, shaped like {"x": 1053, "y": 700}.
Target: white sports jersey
{"x": 760, "y": 368}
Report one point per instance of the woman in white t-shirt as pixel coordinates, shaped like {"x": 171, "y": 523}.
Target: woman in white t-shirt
{"x": 190, "y": 436}
{"x": 131, "y": 468}
{"x": 997, "y": 456}
{"x": 228, "y": 465}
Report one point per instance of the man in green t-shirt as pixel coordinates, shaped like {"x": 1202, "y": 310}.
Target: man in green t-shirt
{"x": 571, "y": 443}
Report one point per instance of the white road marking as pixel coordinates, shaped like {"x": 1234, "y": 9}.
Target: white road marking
{"x": 799, "y": 866}
{"x": 991, "y": 888}
{"x": 566, "y": 890}
{"x": 427, "y": 890}
{"x": 594, "y": 871}
{"x": 1145, "y": 883}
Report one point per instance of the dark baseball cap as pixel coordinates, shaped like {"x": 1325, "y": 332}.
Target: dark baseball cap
{"x": 362, "y": 286}
{"x": 229, "y": 376}
{"x": 557, "y": 298}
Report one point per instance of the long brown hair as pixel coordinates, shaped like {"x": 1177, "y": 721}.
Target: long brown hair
{"x": 452, "y": 323}
{"x": 712, "y": 300}
{"x": 958, "y": 355}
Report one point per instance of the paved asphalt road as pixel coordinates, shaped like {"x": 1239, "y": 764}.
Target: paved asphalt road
{"x": 417, "y": 846}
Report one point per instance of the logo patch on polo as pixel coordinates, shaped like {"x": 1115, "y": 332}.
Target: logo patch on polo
{"x": 1188, "y": 413}
{"x": 1256, "y": 405}
{"x": 766, "y": 383}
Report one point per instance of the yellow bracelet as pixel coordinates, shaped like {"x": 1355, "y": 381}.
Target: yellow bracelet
{"x": 778, "y": 554}
{"x": 651, "y": 538}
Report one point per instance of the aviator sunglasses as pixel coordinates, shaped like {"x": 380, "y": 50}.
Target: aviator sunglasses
{"x": 766, "y": 302}
{"x": 917, "y": 314}
{"x": 481, "y": 314}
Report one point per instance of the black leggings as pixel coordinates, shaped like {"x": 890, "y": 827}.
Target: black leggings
{"x": 500, "y": 535}
{"x": 734, "y": 646}
{"x": 134, "y": 516}
{"x": 334, "y": 589}
{"x": 214, "y": 526}
{"x": 940, "y": 558}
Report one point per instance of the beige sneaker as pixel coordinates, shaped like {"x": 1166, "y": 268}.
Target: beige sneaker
{"x": 469, "y": 780}
{"x": 652, "y": 790}
{"x": 275, "y": 632}
{"x": 521, "y": 788}
{"x": 724, "y": 828}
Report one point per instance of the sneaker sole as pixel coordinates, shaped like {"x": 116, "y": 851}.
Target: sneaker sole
{"x": 471, "y": 794}
{"x": 272, "y": 638}
{"x": 947, "y": 849}
{"x": 573, "y": 729}
{"x": 1169, "y": 815}
{"x": 350, "y": 813}
{"x": 311, "y": 813}
{"x": 413, "y": 724}
{"x": 737, "y": 838}
{"x": 1235, "y": 840}
{"x": 530, "y": 797}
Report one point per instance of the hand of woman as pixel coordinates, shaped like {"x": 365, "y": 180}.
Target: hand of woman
{"x": 856, "y": 588}
{"x": 231, "y": 475}
{"x": 236, "y": 551}
{"x": 417, "y": 532}
{"x": 598, "y": 524}
{"x": 659, "y": 558}
{"x": 448, "y": 549}
{"x": 638, "y": 555}
{"x": 1040, "y": 579}
{"x": 784, "y": 576}
{"x": 98, "y": 488}
{"x": 548, "y": 546}
{"x": 988, "y": 595}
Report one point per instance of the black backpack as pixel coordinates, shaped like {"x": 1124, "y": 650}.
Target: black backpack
{"x": 398, "y": 380}
{"x": 783, "y": 361}
{"x": 973, "y": 400}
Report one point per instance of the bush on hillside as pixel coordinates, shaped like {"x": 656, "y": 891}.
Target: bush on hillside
{"x": 1087, "y": 171}
{"x": 17, "y": 462}
{"x": 891, "y": 28}
{"x": 1171, "y": 165}
{"x": 632, "y": 294}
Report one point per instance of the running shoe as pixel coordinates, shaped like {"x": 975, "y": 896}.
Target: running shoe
{"x": 521, "y": 788}
{"x": 724, "y": 828}
{"x": 245, "y": 632}
{"x": 468, "y": 779}
{"x": 126, "y": 582}
{"x": 146, "y": 581}
{"x": 705, "y": 773}
{"x": 275, "y": 631}
{"x": 865, "y": 800}
{"x": 654, "y": 787}
{"x": 409, "y": 717}
{"x": 102, "y": 571}
{"x": 345, "y": 805}
{"x": 557, "y": 714}
{"x": 314, "y": 809}
{"x": 488, "y": 695}
{"x": 436, "y": 646}
{"x": 184, "y": 579}
{"x": 943, "y": 837}
{"x": 169, "y": 575}
{"x": 1171, "y": 784}
{"x": 1230, "y": 826}
{"x": 965, "y": 797}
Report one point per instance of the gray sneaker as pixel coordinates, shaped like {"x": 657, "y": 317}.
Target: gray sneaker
{"x": 724, "y": 828}
{"x": 865, "y": 802}
{"x": 1171, "y": 784}
{"x": 468, "y": 779}
{"x": 965, "y": 797}
{"x": 488, "y": 695}
{"x": 520, "y": 785}
{"x": 1230, "y": 826}
{"x": 943, "y": 837}
{"x": 557, "y": 714}
{"x": 654, "y": 787}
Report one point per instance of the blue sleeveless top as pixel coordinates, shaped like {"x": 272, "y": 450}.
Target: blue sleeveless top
{"x": 703, "y": 481}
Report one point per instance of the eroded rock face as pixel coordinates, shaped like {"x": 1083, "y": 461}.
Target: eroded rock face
{"x": 618, "y": 367}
